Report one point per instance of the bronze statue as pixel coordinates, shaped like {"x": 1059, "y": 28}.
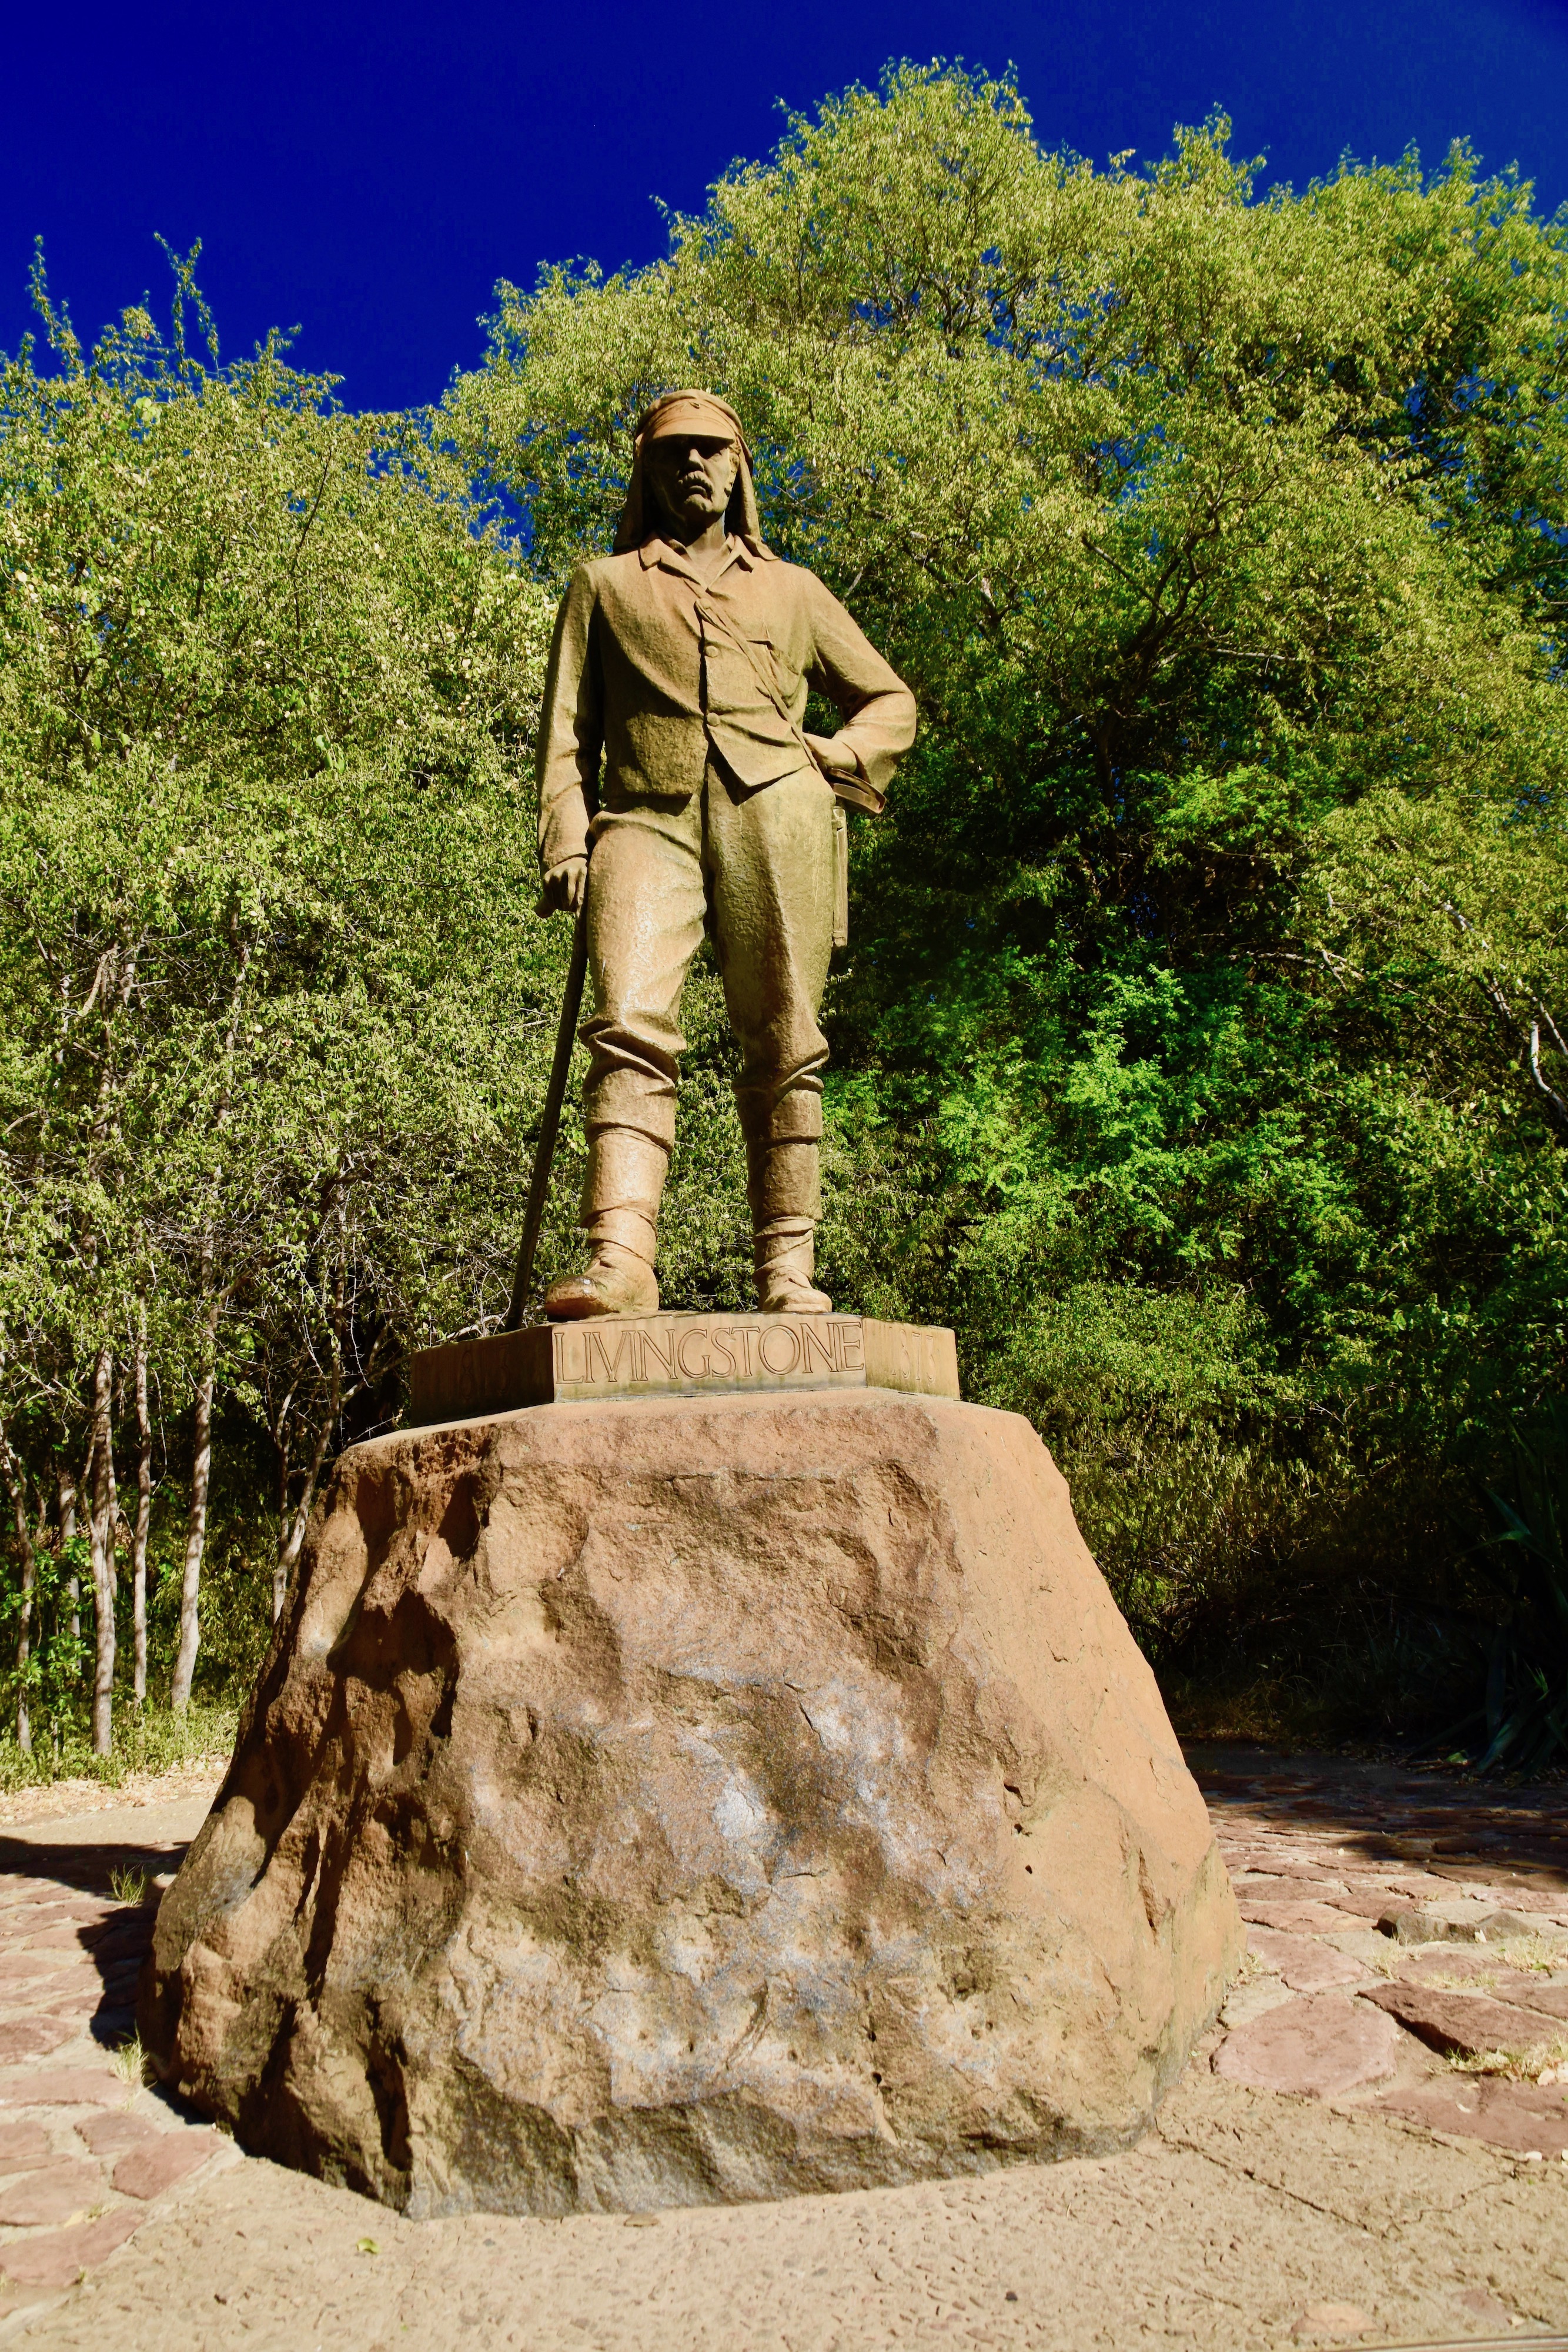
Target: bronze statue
{"x": 683, "y": 662}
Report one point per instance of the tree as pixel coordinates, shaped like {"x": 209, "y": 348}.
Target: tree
{"x": 266, "y": 692}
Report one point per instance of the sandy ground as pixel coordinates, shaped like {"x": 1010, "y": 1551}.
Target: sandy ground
{"x": 1249, "y": 2218}
{"x": 1243, "y": 2221}
{"x": 62, "y": 1800}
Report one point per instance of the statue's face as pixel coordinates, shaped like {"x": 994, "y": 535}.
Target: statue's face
{"x": 692, "y": 477}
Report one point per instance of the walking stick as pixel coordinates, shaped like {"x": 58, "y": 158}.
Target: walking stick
{"x": 549, "y": 1125}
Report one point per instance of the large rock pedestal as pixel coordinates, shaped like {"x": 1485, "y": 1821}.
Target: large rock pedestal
{"x": 668, "y": 1803}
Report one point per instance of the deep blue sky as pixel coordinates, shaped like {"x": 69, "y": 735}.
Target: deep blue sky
{"x": 369, "y": 172}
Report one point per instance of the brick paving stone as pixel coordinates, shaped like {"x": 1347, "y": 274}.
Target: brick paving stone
{"x": 1370, "y": 1902}
{"x": 17, "y": 1967}
{"x": 1498, "y": 1926}
{"x": 58, "y": 2192}
{"x": 1295, "y": 1889}
{"x": 1306, "y": 1965}
{"x": 1252, "y": 1998}
{"x": 1421, "y": 1968}
{"x": 1550, "y": 1882}
{"x": 1462, "y": 2024}
{"x": 1290, "y": 1919}
{"x": 1321, "y": 2045}
{"x": 1409, "y": 1924}
{"x": 24, "y": 2144}
{"x": 58, "y": 2257}
{"x": 1522, "y": 1895}
{"x": 56, "y": 1939}
{"x": 1417, "y": 1886}
{"x": 148, "y": 2170}
{"x": 1520, "y": 2115}
{"x": 31, "y": 2037}
{"x": 63, "y": 2087}
{"x": 113, "y": 2134}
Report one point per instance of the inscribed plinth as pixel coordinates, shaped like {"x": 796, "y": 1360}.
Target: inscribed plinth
{"x": 677, "y": 1354}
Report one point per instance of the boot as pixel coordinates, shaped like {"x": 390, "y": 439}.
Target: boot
{"x": 615, "y": 1281}
{"x": 621, "y": 1191}
{"x": 784, "y": 1193}
{"x": 785, "y": 1252}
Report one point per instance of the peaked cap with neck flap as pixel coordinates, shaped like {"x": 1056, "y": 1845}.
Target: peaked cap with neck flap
{"x": 707, "y": 417}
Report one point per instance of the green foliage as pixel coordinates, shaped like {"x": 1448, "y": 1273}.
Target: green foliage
{"x": 273, "y": 1008}
{"x": 1526, "y": 1716}
{"x": 50, "y": 1684}
{"x": 151, "y": 1740}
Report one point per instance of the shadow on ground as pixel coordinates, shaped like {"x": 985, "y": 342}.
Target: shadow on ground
{"x": 1462, "y": 1829}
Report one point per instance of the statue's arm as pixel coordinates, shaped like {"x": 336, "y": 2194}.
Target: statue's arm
{"x": 877, "y": 707}
{"x": 571, "y": 729}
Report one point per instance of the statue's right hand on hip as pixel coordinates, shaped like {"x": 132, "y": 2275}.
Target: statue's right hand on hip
{"x": 561, "y": 893}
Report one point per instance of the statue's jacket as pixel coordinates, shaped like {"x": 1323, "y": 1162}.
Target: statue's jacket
{"x": 640, "y": 678}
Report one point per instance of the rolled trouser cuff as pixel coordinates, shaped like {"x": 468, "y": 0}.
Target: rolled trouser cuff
{"x": 785, "y": 1242}
{"x": 631, "y": 1099}
{"x": 794, "y": 1115}
{"x": 628, "y": 1228}
{"x": 784, "y": 1182}
{"x": 625, "y": 1171}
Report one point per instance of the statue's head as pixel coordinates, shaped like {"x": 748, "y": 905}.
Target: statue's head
{"x": 691, "y": 455}
{"x": 690, "y": 465}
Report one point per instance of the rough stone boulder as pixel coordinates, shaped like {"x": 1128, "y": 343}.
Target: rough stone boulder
{"x": 671, "y": 1802}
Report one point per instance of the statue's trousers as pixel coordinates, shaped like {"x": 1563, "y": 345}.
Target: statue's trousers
{"x": 759, "y": 866}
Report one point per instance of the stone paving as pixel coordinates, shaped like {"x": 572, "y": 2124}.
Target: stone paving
{"x": 88, "y": 2152}
{"x": 1372, "y": 2145}
{"x": 1407, "y": 1944}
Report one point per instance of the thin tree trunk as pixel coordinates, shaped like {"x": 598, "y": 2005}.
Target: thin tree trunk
{"x": 279, "y": 1431}
{"x": 100, "y": 1534}
{"x": 291, "y": 1533}
{"x": 69, "y": 1489}
{"x": 111, "y": 1505}
{"x": 206, "y": 1376}
{"x": 143, "y": 1508}
{"x": 196, "y": 1525}
{"x": 16, "y": 1487}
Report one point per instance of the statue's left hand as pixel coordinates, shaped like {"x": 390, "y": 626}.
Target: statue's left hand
{"x": 842, "y": 770}
{"x": 834, "y": 758}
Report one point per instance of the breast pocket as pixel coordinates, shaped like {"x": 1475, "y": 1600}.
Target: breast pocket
{"x": 777, "y": 667}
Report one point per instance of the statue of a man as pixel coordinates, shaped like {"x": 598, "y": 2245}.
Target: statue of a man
{"x": 683, "y": 661}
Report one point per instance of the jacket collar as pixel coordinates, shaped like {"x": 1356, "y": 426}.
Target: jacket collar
{"x": 673, "y": 559}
